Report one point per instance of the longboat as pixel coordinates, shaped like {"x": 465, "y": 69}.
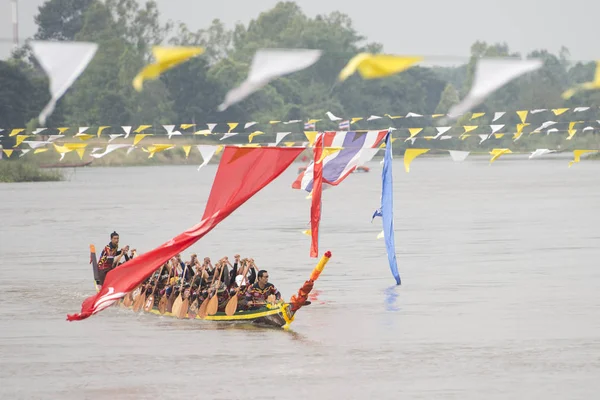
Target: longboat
{"x": 278, "y": 315}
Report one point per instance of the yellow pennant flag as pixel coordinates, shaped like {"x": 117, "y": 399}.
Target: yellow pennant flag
{"x": 469, "y": 128}
{"x": 522, "y": 115}
{"x": 497, "y": 153}
{"x": 380, "y": 235}
{"x": 327, "y": 151}
{"x": 63, "y": 130}
{"x": 19, "y": 139}
{"x": 100, "y": 129}
{"x": 7, "y": 152}
{"x": 84, "y": 136}
{"x": 232, "y": 126}
{"x": 372, "y": 66}
{"x": 571, "y": 133}
{"x": 313, "y": 121}
{"x": 311, "y": 136}
{"x": 498, "y": 135}
{"x": 219, "y": 149}
{"x": 558, "y": 111}
{"x": 186, "y": 150}
{"x": 166, "y": 58}
{"x": 410, "y": 155}
{"x": 75, "y": 146}
{"x": 15, "y": 132}
{"x": 251, "y": 145}
{"x": 393, "y": 116}
{"x": 519, "y": 132}
{"x": 289, "y": 144}
{"x": 81, "y": 153}
{"x": 413, "y": 132}
{"x": 253, "y": 135}
{"x": 61, "y": 149}
{"x": 428, "y": 137}
{"x": 307, "y": 232}
{"x": 142, "y": 128}
{"x": 353, "y": 120}
{"x": 157, "y": 148}
{"x": 577, "y": 155}
{"x": 138, "y": 137}
{"x": 274, "y": 122}
{"x": 440, "y": 115}
{"x": 204, "y": 132}
{"x": 573, "y": 123}
{"x": 476, "y": 115}
{"x": 464, "y": 136}
{"x": 40, "y": 150}
{"x": 595, "y": 84}
{"x": 185, "y": 126}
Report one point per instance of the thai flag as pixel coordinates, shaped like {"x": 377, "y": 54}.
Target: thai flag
{"x": 357, "y": 149}
{"x": 344, "y": 124}
{"x": 309, "y": 126}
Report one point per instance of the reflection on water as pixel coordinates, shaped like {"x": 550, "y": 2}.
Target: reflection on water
{"x": 499, "y": 297}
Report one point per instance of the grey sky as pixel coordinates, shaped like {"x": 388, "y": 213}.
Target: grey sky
{"x": 423, "y": 27}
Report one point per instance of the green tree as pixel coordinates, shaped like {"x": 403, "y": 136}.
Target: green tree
{"x": 61, "y": 19}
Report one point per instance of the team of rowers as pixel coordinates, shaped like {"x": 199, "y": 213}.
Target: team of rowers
{"x": 195, "y": 281}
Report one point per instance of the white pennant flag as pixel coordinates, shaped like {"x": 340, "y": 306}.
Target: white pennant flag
{"x": 539, "y": 110}
{"x": 458, "y": 155}
{"x": 82, "y": 129}
{"x": 109, "y": 149}
{"x": 588, "y": 128}
{"x": 247, "y": 125}
{"x": 63, "y": 62}
{"x": 52, "y": 138}
{"x": 269, "y": 64}
{"x": 211, "y": 127}
{"x": 207, "y": 152}
{"x": 446, "y": 137}
{"x": 483, "y": 138}
{"x": 498, "y": 115}
{"x": 127, "y": 130}
{"x": 114, "y": 136}
{"x": 441, "y": 130}
{"x": 169, "y": 128}
{"x": 228, "y": 134}
{"x": 332, "y": 117}
{"x": 496, "y": 128}
{"x": 544, "y": 126}
{"x": 413, "y": 115}
{"x": 372, "y": 117}
{"x": 129, "y": 150}
{"x": 35, "y": 144}
{"x": 23, "y": 152}
{"x": 279, "y": 137}
{"x": 580, "y": 109}
{"x": 293, "y": 121}
{"x": 95, "y": 149}
{"x": 540, "y": 152}
{"x": 490, "y": 75}
{"x": 551, "y": 130}
{"x": 37, "y": 131}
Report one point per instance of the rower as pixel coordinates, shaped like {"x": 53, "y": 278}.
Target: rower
{"x": 110, "y": 257}
{"x": 261, "y": 290}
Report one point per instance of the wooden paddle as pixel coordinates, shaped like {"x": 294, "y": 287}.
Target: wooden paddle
{"x": 203, "y": 311}
{"x": 162, "y": 303}
{"x": 179, "y": 300}
{"x": 149, "y": 304}
{"x": 186, "y": 301}
{"x": 232, "y": 304}
{"x": 128, "y": 300}
{"x": 140, "y": 300}
{"x": 195, "y": 306}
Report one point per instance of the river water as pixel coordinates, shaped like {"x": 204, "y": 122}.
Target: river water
{"x": 499, "y": 297}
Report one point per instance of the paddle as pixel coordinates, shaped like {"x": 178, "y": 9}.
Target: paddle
{"x": 141, "y": 299}
{"x": 179, "y": 300}
{"x": 149, "y": 304}
{"x": 203, "y": 311}
{"x": 232, "y": 304}
{"x": 186, "y": 302}
{"x": 213, "y": 304}
{"x": 195, "y": 306}
{"x": 162, "y": 303}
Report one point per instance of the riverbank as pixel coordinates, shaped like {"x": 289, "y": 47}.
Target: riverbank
{"x": 26, "y": 171}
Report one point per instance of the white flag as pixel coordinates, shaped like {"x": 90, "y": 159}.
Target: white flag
{"x": 269, "y": 64}
{"x": 63, "y": 63}
{"x": 207, "y": 152}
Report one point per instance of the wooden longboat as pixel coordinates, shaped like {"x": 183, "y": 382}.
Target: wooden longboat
{"x": 279, "y": 315}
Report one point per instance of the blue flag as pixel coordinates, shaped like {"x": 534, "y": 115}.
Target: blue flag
{"x": 377, "y": 213}
{"x": 387, "y": 207}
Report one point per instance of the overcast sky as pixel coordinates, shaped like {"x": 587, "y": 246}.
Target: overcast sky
{"x": 423, "y": 27}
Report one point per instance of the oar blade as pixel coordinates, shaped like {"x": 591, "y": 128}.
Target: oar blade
{"x": 202, "y": 312}
{"x": 162, "y": 304}
{"x": 177, "y": 306}
{"x": 139, "y": 302}
{"x": 213, "y": 305}
{"x": 231, "y": 306}
{"x": 149, "y": 303}
{"x": 183, "y": 309}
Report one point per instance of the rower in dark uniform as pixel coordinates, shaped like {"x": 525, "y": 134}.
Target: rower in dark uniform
{"x": 110, "y": 257}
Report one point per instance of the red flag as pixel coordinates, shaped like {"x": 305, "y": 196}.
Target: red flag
{"x": 243, "y": 171}
{"x": 315, "y": 208}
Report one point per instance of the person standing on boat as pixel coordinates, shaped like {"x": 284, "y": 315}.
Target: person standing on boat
{"x": 110, "y": 256}
{"x": 259, "y": 292}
